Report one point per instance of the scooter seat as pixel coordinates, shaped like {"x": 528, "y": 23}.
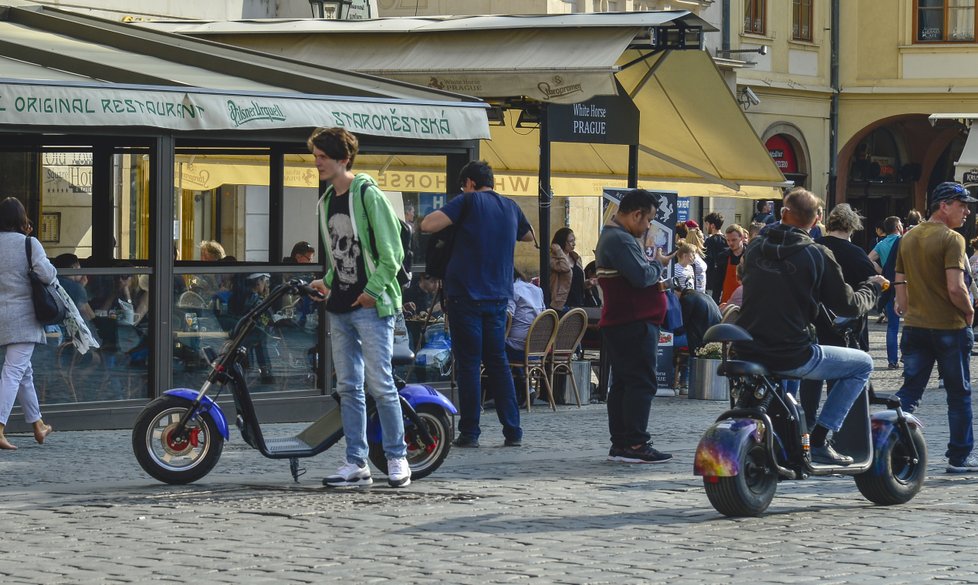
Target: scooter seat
{"x": 402, "y": 356}
{"x": 742, "y": 368}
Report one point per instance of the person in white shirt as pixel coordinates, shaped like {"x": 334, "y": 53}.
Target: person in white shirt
{"x": 527, "y": 303}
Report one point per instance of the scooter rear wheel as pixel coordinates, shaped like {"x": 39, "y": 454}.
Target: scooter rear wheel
{"x": 894, "y": 477}
{"x": 748, "y": 493}
{"x": 167, "y": 458}
{"x": 422, "y": 459}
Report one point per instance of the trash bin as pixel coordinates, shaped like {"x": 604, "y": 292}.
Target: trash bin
{"x": 705, "y": 383}
{"x": 582, "y": 377}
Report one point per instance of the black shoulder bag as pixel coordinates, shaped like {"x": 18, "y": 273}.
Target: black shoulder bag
{"x": 49, "y": 307}
{"x": 438, "y": 252}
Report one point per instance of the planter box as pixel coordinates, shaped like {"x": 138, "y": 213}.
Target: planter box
{"x": 705, "y": 383}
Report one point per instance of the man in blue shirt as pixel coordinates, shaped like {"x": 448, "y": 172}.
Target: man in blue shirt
{"x": 478, "y": 286}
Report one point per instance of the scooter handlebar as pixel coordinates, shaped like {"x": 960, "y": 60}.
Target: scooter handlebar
{"x": 307, "y": 290}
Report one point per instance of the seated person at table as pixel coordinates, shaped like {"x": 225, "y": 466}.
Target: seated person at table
{"x": 418, "y": 297}
{"x": 74, "y": 285}
{"x": 592, "y": 292}
{"x": 526, "y": 304}
{"x": 248, "y": 293}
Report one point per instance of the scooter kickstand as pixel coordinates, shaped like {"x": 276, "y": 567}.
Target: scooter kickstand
{"x": 295, "y": 469}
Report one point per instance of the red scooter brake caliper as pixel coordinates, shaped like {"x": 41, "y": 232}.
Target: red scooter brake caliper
{"x": 193, "y": 438}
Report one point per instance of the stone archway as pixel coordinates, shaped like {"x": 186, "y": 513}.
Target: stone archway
{"x": 790, "y": 133}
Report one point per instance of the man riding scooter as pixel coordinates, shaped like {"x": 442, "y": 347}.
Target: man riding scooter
{"x": 786, "y": 269}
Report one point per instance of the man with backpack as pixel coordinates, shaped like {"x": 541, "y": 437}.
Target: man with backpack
{"x": 478, "y": 286}
{"x": 363, "y": 256}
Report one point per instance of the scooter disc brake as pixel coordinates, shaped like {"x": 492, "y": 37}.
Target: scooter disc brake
{"x": 183, "y": 446}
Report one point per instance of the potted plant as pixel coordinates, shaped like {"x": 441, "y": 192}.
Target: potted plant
{"x": 705, "y": 383}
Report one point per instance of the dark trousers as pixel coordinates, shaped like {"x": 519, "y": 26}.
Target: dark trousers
{"x": 632, "y": 350}
{"x": 479, "y": 336}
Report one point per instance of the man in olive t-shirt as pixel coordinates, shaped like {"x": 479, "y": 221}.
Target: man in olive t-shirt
{"x": 932, "y": 298}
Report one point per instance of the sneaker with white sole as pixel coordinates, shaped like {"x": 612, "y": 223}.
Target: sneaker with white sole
{"x": 398, "y": 472}
{"x": 969, "y": 465}
{"x": 349, "y": 475}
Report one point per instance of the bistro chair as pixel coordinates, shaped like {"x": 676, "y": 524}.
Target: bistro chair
{"x": 570, "y": 331}
{"x": 539, "y": 342}
{"x": 729, "y": 314}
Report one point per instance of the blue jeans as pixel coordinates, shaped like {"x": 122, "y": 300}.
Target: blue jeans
{"x": 892, "y": 330}
{"x": 479, "y": 337}
{"x": 951, "y": 350}
{"x": 632, "y": 350}
{"x": 362, "y": 347}
{"x": 850, "y": 368}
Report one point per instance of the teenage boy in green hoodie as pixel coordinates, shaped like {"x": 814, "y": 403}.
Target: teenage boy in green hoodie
{"x": 363, "y": 297}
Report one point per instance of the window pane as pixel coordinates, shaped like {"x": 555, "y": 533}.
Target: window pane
{"x": 282, "y": 350}
{"x": 114, "y": 308}
{"x": 66, "y": 190}
{"x": 222, "y": 199}
{"x": 961, "y": 20}
{"x": 930, "y": 20}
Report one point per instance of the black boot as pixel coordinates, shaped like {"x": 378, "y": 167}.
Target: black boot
{"x": 826, "y": 455}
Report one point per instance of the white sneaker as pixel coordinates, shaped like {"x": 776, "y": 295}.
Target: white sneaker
{"x": 349, "y": 475}
{"x": 969, "y": 465}
{"x": 398, "y": 472}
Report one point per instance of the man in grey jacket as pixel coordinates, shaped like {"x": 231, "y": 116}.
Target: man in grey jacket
{"x": 633, "y": 311}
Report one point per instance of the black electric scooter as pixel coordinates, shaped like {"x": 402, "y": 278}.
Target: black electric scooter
{"x": 178, "y": 438}
{"x": 763, "y": 439}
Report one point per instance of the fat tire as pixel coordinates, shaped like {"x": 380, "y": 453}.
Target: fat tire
{"x": 144, "y": 439}
{"x": 423, "y": 464}
{"x": 748, "y": 493}
{"x": 901, "y": 479}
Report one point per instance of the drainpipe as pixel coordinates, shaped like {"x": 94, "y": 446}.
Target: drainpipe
{"x": 834, "y": 110}
{"x": 725, "y": 29}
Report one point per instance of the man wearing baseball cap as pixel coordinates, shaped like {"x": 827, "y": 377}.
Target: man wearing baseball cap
{"x": 933, "y": 300}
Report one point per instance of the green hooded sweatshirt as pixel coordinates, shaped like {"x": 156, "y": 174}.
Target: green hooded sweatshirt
{"x": 370, "y": 207}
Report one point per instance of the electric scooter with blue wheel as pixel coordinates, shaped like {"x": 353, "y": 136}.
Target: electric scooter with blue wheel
{"x": 178, "y": 438}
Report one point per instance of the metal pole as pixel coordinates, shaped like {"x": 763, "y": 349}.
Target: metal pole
{"x": 161, "y": 259}
{"x": 834, "y": 110}
{"x": 545, "y": 199}
{"x": 633, "y": 166}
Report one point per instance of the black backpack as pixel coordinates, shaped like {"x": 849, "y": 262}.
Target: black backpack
{"x": 438, "y": 252}
{"x": 404, "y": 273}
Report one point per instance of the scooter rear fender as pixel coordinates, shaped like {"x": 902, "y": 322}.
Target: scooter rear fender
{"x": 207, "y": 408}
{"x": 417, "y": 394}
{"x": 884, "y": 424}
{"x": 718, "y": 454}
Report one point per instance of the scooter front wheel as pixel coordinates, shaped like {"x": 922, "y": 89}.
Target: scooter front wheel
{"x": 749, "y": 492}
{"x": 422, "y": 459}
{"x": 172, "y": 459}
{"x": 895, "y": 478}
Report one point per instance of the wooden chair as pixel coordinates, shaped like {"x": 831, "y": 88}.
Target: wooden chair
{"x": 539, "y": 342}
{"x": 570, "y": 331}
{"x": 729, "y": 314}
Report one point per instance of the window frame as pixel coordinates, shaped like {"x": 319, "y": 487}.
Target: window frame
{"x": 755, "y": 10}
{"x": 802, "y": 12}
{"x": 946, "y": 12}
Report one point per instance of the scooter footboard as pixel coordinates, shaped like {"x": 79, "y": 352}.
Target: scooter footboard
{"x": 207, "y": 408}
{"x": 718, "y": 454}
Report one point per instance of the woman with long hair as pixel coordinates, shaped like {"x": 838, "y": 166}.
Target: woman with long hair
{"x": 19, "y": 327}
{"x": 566, "y": 271}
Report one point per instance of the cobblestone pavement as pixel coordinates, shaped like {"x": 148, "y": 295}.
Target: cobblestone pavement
{"x": 79, "y": 510}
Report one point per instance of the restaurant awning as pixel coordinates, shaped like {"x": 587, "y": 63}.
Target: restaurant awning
{"x": 694, "y": 138}
{"x": 966, "y": 167}
{"x": 62, "y": 70}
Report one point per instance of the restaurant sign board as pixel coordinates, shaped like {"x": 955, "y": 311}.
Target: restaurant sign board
{"x": 79, "y": 105}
